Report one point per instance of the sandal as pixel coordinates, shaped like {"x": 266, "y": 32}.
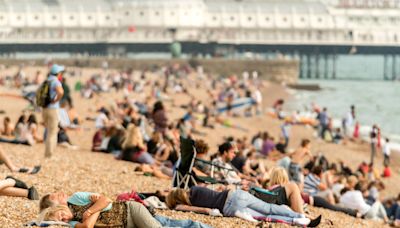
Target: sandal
{"x": 23, "y": 170}
{"x": 18, "y": 183}
{"x": 315, "y": 222}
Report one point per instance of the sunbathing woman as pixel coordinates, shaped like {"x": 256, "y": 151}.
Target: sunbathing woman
{"x": 33, "y": 128}
{"x": 234, "y": 203}
{"x": 84, "y": 209}
{"x": 134, "y": 148}
{"x": 289, "y": 194}
{"x": 21, "y": 132}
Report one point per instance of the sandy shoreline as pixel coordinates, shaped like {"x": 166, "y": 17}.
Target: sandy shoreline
{"x": 83, "y": 170}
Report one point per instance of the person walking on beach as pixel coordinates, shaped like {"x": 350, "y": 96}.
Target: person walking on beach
{"x": 348, "y": 120}
{"x": 386, "y": 153}
{"x": 323, "y": 122}
{"x": 374, "y": 139}
{"x": 50, "y": 112}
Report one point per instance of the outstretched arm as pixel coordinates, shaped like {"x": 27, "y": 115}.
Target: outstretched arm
{"x": 202, "y": 210}
{"x": 89, "y": 222}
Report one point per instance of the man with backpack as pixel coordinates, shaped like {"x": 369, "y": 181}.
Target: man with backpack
{"x": 48, "y": 97}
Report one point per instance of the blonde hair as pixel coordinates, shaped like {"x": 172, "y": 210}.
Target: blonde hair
{"x": 48, "y": 214}
{"x": 133, "y": 137}
{"x": 176, "y": 197}
{"x": 352, "y": 181}
{"x": 278, "y": 176}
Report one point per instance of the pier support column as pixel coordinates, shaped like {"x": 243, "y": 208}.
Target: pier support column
{"x": 334, "y": 57}
{"x": 394, "y": 73}
{"x": 385, "y": 60}
{"x": 317, "y": 65}
{"x": 301, "y": 74}
{"x": 326, "y": 66}
{"x": 308, "y": 66}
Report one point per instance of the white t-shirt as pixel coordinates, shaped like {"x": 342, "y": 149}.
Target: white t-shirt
{"x": 386, "y": 149}
{"x": 354, "y": 200}
{"x": 258, "y": 143}
{"x": 257, "y": 96}
{"x": 349, "y": 119}
{"x": 100, "y": 120}
{"x": 230, "y": 176}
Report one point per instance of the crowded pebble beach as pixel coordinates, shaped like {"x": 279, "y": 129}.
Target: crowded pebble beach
{"x": 107, "y": 101}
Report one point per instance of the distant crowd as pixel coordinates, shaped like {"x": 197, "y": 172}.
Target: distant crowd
{"x": 232, "y": 180}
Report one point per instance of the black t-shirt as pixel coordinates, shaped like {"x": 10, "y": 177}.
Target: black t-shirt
{"x": 238, "y": 162}
{"x": 204, "y": 197}
{"x": 281, "y": 147}
{"x": 152, "y": 147}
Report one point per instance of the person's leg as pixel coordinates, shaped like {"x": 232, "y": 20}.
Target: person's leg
{"x": 16, "y": 192}
{"x": 321, "y": 202}
{"x": 328, "y": 195}
{"x": 373, "y": 211}
{"x": 294, "y": 197}
{"x": 372, "y": 152}
{"x": 168, "y": 222}
{"x": 246, "y": 200}
{"x": 139, "y": 217}
{"x": 46, "y": 133}
{"x": 381, "y": 211}
{"x": 146, "y": 158}
{"x": 52, "y": 129}
{"x": 7, "y": 161}
{"x": 6, "y": 183}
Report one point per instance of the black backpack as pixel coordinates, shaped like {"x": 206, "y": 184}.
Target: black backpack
{"x": 43, "y": 98}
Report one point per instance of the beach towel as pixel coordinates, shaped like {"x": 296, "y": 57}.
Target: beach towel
{"x": 155, "y": 202}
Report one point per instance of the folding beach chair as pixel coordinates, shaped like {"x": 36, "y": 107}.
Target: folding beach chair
{"x": 184, "y": 176}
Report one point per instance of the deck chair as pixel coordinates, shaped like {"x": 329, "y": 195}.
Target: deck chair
{"x": 184, "y": 176}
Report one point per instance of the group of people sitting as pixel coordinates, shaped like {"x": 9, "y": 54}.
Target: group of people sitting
{"x": 245, "y": 187}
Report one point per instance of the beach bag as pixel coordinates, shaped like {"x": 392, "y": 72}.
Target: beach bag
{"x": 43, "y": 98}
{"x": 134, "y": 196}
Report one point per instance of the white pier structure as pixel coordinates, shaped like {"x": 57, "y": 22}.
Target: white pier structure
{"x": 237, "y": 22}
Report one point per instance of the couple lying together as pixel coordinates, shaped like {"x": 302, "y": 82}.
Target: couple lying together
{"x": 84, "y": 209}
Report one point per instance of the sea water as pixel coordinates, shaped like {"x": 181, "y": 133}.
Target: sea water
{"x": 376, "y": 102}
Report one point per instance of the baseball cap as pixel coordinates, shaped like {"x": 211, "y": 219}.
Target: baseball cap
{"x": 55, "y": 69}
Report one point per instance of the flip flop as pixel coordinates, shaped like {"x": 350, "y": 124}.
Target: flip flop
{"x": 18, "y": 183}
{"x": 315, "y": 222}
{"x": 23, "y": 170}
{"x": 35, "y": 169}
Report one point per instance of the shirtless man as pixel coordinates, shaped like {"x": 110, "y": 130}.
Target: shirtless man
{"x": 297, "y": 158}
